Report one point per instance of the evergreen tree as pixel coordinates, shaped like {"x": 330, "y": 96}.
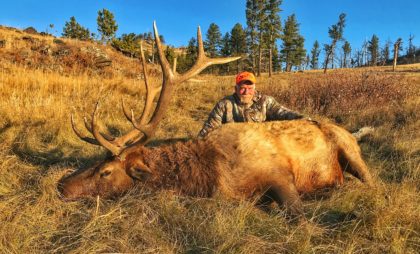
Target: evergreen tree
{"x": 226, "y": 50}
{"x": 373, "y": 49}
{"x": 74, "y": 30}
{"x": 226, "y": 46}
{"x": 293, "y": 52}
{"x": 315, "y": 55}
{"x": 272, "y": 28}
{"x": 129, "y": 44}
{"x": 385, "y": 52}
{"x": 106, "y": 25}
{"x": 238, "y": 42}
{"x": 411, "y": 50}
{"x": 276, "y": 62}
{"x": 261, "y": 29}
{"x": 170, "y": 54}
{"x": 346, "y": 52}
{"x": 186, "y": 61}
{"x": 252, "y": 9}
{"x": 336, "y": 34}
{"x": 213, "y": 41}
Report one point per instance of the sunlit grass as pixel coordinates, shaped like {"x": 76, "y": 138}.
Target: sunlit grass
{"x": 38, "y": 147}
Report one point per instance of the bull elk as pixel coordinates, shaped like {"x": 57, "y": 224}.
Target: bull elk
{"x": 275, "y": 161}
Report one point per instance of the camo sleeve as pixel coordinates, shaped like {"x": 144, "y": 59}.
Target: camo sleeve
{"x": 215, "y": 119}
{"x": 277, "y": 112}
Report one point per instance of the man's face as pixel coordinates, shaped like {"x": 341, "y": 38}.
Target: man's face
{"x": 245, "y": 92}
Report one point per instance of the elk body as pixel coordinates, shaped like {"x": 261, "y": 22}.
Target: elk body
{"x": 275, "y": 161}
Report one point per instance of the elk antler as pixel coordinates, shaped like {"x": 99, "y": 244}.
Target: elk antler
{"x": 170, "y": 80}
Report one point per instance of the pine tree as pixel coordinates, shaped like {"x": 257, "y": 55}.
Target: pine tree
{"x": 385, "y": 52}
{"x": 170, "y": 54}
{"x": 336, "y": 34}
{"x": 293, "y": 52}
{"x": 226, "y": 50}
{"x": 74, "y": 30}
{"x": 373, "y": 49}
{"x": 186, "y": 61}
{"x": 411, "y": 50}
{"x": 346, "y": 52}
{"x": 276, "y": 62}
{"x": 129, "y": 44}
{"x": 107, "y": 26}
{"x": 261, "y": 28}
{"x": 272, "y": 28}
{"x": 315, "y": 55}
{"x": 252, "y": 30}
{"x": 238, "y": 42}
{"x": 213, "y": 41}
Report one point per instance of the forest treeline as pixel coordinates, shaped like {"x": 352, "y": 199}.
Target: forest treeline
{"x": 266, "y": 44}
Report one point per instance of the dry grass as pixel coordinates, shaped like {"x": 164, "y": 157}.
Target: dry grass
{"x": 38, "y": 147}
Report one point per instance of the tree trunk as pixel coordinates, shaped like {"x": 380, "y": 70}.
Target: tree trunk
{"x": 288, "y": 67}
{"x": 327, "y": 59}
{"x": 396, "y": 48}
{"x": 259, "y": 60}
{"x": 270, "y": 63}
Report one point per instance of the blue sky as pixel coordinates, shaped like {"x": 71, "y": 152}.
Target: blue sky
{"x": 178, "y": 20}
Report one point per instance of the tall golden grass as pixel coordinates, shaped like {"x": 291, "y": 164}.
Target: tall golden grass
{"x": 38, "y": 147}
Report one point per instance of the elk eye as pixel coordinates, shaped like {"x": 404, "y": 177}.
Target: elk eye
{"x": 105, "y": 173}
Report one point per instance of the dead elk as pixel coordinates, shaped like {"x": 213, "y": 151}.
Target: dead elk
{"x": 275, "y": 161}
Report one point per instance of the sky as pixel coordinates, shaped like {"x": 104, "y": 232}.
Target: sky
{"x": 177, "y": 20}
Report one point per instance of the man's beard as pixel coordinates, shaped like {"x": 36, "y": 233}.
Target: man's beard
{"x": 246, "y": 99}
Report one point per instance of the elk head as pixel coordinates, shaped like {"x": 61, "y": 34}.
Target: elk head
{"x": 118, "y": 173}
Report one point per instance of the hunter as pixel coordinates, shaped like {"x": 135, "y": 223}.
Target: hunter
{"x": 246, "y": 105}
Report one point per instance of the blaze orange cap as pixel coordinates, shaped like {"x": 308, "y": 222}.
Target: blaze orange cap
{"x": 245, "y": 76}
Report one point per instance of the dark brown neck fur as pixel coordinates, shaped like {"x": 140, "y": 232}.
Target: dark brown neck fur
{"x": 186, "y": 167}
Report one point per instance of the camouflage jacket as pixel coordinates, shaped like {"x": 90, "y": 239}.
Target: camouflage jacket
{"x": 229, "y": 109}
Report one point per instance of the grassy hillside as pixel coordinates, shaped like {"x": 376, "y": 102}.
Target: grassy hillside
{"x": 39, "y": 91}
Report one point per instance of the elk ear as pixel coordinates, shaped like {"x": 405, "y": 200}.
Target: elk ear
{"x": 139, "y": 173}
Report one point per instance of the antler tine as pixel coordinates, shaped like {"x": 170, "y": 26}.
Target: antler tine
{"x": 125, "y": 110}
{"x": 166, "y": 68}
{"x": 79, "y": 134}
{"x": 98, "y": 136}
{"x": 203, "y": 61}
{"x": 89, "y": 128}
{"x": 200, "y": 44}
{"x": 151, "y": 92}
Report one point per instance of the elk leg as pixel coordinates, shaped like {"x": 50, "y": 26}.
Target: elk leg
{"x": 355, "y": 165}
{"x": 283, "y": 191}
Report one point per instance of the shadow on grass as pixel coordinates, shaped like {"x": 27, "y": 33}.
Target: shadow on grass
{"x": 333, "y": 218}
{"x": 395, "y": 169}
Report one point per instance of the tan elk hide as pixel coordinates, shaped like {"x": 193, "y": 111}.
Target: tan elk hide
{"x": 273, "y": 160}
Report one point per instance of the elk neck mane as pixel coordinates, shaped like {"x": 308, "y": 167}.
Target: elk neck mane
{"x": 189, "y": 168}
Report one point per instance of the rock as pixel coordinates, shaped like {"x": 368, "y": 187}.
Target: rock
{"x": 101, "y": 62}
{"x": 101, "y": 58}
{"x": 2, "y": 43}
